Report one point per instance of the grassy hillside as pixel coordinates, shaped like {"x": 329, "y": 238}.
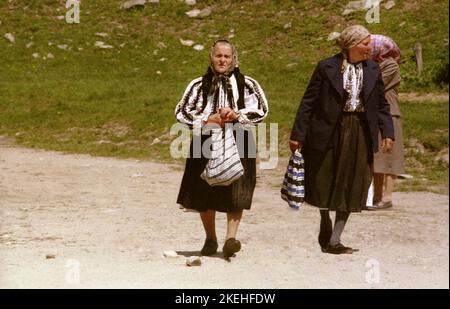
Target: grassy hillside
{"x": 117, "y": 101}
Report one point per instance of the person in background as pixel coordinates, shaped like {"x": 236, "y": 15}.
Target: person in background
{"x": 336, "y": 127}
{"x": 387, "y": 165}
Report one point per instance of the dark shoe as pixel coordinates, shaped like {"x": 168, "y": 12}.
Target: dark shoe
{"x": 380, "y": 205}
{"x": 339, "y": 249}
{"x": 230, "y": 247}
{"x": 210, "y": 247}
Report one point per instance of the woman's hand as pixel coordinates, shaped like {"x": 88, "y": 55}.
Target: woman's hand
{"x": 215, "y": 118}
{"x": 387, "y": 144}
{"x": 228, "y": 115}
{"x": 294, "y": 145}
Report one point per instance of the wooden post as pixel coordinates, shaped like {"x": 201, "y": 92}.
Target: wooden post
{"x": 419, "y": 61}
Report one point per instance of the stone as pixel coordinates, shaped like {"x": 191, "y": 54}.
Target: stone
{"x": 60, "y": 17}
{"x": 50, "y": 56}
{"x": 193, "y": 13}
{"x": 8, "y": 36}
{"x": 36, "y": 55}
{"x": 127, "y": 5}
{"x": 187, "y": 42}
{"x": 29, "y": 45}
{"x": 161, "y": 45}
{"x": 288, "y": 25}
{"x": 137, "y": 175}
{"x": 389, "y": 5}
{"x": 193, "y": 261}
{"x": 170, "y": 254}
{"x": 198, "y": 47}
{"x": 442, "y": 156}
{"x": 204, "y": 13}
{"x": 102, "y": 45}
{"x": 153, "y": 1}
{"x": 101, "y": 34}
{"x": 156, "y": 140}
{"x": 416, "y": 146}
{"x": 62, "y": 46}
{"x": 190, "y": 2}
{"x": 50, "y": 256}
{"x": 291, "y": 65}
{"x": 333, "y": 36}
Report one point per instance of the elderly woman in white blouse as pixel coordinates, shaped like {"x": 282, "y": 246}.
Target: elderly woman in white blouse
{"x": 223, "y": 95}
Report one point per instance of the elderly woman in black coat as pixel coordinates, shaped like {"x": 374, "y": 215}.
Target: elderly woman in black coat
{"x": 336, "y": 127}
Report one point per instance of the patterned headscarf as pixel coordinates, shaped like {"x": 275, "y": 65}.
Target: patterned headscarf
{"x": 223, "y": 78}
{"x": 384, "y": 47}
{"x": 350, "y": 37}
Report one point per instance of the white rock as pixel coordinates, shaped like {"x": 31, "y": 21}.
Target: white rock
{"x": 402, "y": 24}
{"x": 36, "y": 55}
{"x": 132, "y": 3}
{"x": 231, "y": 35}
{"x": 29, "y": 45}
{"x": 51, "y": 43}
{"x": 291, "y": 65}
{"x": 405, "y": 176}
{"x": 10, "y": 37}
{"x": 158, "y": 72}
{"x": 193, "y": 13}
{"x": 163, "y": 59}
{"x": 190, "y": 2}
{"x": 198, "y": 47}
{"x": 170, "y": 254}
{"x": 101, "y": 34}
{"x": 61, "y": 17}
{"x": 161, "y": 45}
{"x": 288, "y": 25}
{"x": 193, "y": 261}
{"x": 153, "y": 1}
{"x": 204, "y": 13}
{"x": 137, "y": 175}
{"x": 50, "y": 56}
{"x": 80, "y": 48}
{"x": 102, "y": 45}
{"x": 62, "y": 46}
{"x": 389, "y": 5}
{"x": 156, "y": 140}
{"x": 187, "y": 42}
{"x": 333, "y": 36}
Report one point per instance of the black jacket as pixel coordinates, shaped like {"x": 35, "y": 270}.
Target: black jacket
{"x": 322, "y": 105}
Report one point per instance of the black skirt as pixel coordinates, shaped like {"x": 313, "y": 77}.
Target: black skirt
{"x": 196, "y": 194}
{"x": 340, "y": 178}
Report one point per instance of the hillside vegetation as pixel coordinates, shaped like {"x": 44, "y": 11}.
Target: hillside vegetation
{"x": 117, "y": 101}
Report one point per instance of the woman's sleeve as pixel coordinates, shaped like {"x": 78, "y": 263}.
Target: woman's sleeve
{"x": 303, "y": 118}
{"x": 189, "y": 109}
{"x": 255, "y": 102}
{"x": 384, "y": 113}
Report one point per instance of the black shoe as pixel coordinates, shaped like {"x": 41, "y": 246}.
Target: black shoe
{"x": 210, "y": 247}
{"x": 230, "y": 247}
{"x": 339, "y": 249}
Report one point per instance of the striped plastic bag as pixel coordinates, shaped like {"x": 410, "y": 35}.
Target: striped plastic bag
{"x": 293, "y": 189}
{"x": 224, "y": 167}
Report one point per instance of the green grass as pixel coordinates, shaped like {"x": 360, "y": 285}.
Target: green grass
{"x": 113, "y": 103}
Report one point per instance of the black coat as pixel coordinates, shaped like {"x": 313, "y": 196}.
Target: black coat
{"x": 322, "y": 105}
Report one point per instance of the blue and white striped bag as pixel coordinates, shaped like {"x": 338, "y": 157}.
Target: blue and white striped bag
{"x": 293, "y": 189}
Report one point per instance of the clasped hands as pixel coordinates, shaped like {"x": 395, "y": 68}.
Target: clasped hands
{"x": 224, "y": 115}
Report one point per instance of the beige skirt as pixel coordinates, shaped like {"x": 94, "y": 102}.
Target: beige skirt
{"x": 391, "y": 163}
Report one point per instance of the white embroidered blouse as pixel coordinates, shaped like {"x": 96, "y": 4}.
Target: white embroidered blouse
{"x": 190, "y": 109}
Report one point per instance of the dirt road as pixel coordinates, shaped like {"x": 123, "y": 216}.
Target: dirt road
{"x": 76, "y": 221}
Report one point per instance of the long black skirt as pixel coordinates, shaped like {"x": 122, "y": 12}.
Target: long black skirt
{"x": 340, "y": 178}
{"x": 196, "y": 194}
